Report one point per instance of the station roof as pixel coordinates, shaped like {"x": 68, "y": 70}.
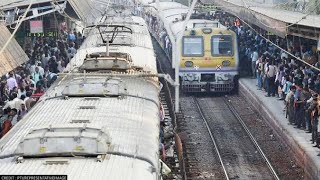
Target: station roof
{"x": 9, "y": 4}
{"x": 13, "y": 56}
{"x": 289, "y": 17}
{"x": 85, "y": 10}
{"x": 275, "y": 20}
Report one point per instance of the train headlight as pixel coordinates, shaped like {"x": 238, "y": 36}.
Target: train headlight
{"x": 188, "y": 63}
{"x": 226, "y": 63}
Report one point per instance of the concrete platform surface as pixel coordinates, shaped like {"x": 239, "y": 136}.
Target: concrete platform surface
{"x": 272, "y": 110}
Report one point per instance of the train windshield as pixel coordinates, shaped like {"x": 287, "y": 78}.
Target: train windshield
{"x": 221, "y": 45}
{"x": 192, "y": 46}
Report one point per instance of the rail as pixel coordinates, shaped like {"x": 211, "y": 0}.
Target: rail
{"x": 212, "y": 138}
{"x": 237, "y": 116}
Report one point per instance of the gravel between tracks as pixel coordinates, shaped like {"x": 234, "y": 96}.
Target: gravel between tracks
{"x": 200, "y": 153}
{"x": 240, "y": 156}
{"x": 277, "y": 152}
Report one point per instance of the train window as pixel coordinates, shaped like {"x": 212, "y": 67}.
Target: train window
{"x": 221, "y": 45}
{"x": 192, "y": 46}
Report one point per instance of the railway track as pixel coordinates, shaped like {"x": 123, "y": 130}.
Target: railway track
{"x": 216, "y": 127}
{"x": 202, "y": 159}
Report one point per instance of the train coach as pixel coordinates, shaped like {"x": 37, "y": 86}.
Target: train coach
{"x": 207, "y": 52}
{"x": 101, "y": 119}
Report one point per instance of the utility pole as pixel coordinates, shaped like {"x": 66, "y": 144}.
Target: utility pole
{"x": 178, "y": 52}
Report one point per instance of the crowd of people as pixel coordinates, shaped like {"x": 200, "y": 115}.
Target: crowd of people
{"x": 281, "y": 75}
{"x": 21, "y": 88}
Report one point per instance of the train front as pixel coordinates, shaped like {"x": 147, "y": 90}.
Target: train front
{"x": 209, "y": 60}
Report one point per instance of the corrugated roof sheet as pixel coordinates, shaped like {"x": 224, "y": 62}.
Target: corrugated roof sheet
{"x": 87, "y": 10}
{"x": 9, "y": 4}
{"x": 13, "y": 55}
{"x": 274, "y": 13}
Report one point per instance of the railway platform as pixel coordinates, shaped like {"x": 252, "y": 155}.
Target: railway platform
{"x": 272, "y": 110}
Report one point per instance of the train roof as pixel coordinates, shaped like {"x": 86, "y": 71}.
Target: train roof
{"x": 165, "y": 5}
{"x": 138, "y": 44}
{"x": 94, "y": 125}
{"x": 130, "y": 123}
{"x": 177, "y": 27}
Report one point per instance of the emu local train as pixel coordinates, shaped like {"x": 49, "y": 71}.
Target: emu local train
{"x": 207, "y": 52}
{"x": 101, "y": 119}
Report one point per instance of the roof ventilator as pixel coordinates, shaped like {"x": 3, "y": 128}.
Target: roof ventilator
{"x": 112, "y": 87}
{"x": 65, "y": 140}
{"x": 113, "y": 62}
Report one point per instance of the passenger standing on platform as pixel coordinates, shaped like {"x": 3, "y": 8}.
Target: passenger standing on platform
{"x": 305, "y": 96}
{"x": 29, "y": 101}
{"x": 260, "y": 74}
{"x": 314, "y": 120}
{"x": 298, "y": 108}
{"x": 6, "y": 126}
{"x": 254, "y": 58}
{"x": 290, "y": 104}
{"x": 14, "y": 116}
{"x": 278, "y": 82}
{"x": 311, "y": 104}
{"x": 271, "y": 74}
{"x": 23, "y": 111}
{"x": 36, "y": 75}
{"x": 11, "y": 82}
{"x": 4, "y": 117}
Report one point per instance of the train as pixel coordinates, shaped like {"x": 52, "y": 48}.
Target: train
{"x": 100, "y": 119}
{"x": 207, "y": 52}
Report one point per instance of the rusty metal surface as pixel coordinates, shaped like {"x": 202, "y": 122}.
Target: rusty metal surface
{"x": 13, "y": 55}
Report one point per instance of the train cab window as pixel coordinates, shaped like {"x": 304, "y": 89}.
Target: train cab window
{"x": 221, "y": 45}
{"x": 192, "y": 46}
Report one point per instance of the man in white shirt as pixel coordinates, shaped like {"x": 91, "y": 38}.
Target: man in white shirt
{"x": 254, "y": 58}
{"x": 17, "y": 101}
{"x": 11, "y": 82}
